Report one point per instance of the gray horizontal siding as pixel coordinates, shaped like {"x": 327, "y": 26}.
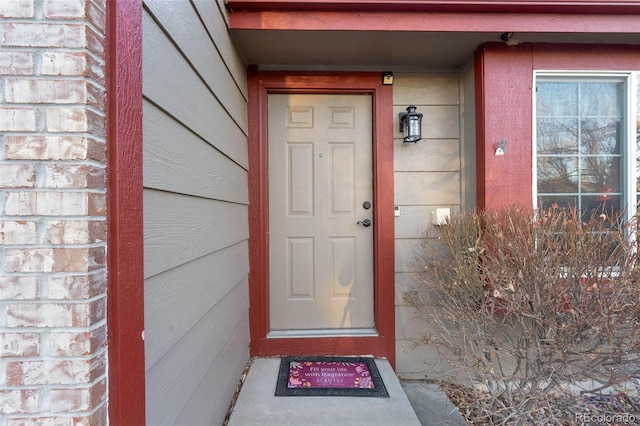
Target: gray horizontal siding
{"x": 173, "y": 85}
{"x": 174, "y": 379}
{"x": 428, "y": 175}
{"x": 195, "y": 212}
{"x": 182, "y": 21}
{"x": 172, "y": 153}
{"x": 210, "y": 402}
{"x": 179, "y": 228}
{"x": 179, "y": 298}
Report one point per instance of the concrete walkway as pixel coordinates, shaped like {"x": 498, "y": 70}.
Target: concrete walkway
{"x": 431, "y": 404}
{"x": 257, "y": 405}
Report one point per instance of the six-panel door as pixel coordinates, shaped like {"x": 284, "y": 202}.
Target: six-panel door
{"x": 320, "y": 187}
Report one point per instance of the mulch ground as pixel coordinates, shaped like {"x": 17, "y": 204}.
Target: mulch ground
{"x": 479, "y": 408}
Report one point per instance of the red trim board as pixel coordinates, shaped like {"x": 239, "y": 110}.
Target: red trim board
{"x": 483, "y": 6}
{"x": 450, "y": 22}
{"x": 125, "y": 287}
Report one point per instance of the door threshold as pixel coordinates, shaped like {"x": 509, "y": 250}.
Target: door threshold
{"x": 356, "y": 332}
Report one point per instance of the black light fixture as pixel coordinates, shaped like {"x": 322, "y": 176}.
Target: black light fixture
{"x": 411, "y": 125}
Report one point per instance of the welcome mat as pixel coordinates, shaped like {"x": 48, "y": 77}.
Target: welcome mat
{"x": 329, "y": 376}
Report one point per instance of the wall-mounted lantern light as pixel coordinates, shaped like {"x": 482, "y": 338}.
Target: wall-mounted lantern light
{"x": 411, "y": 125}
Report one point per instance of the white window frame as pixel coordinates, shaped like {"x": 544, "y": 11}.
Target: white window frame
{"x": 630, "y": 79}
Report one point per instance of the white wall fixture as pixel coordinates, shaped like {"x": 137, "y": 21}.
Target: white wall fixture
{"x": 440, "y": 216}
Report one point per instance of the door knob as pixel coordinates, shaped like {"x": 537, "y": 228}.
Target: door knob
{"x": 364, "y": 223}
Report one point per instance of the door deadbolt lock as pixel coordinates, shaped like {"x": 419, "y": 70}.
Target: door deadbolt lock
{"x": 366, "y": 205}
{"x": 364, "y": 223}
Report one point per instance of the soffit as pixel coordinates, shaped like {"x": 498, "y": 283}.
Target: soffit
{"x": 388, "y": 50}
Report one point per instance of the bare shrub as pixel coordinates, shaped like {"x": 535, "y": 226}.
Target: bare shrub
{"x": 534, "y": 308}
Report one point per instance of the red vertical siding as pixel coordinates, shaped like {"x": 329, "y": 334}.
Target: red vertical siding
{"x": 586, "y": 57}
{"x": 504, "y": 102}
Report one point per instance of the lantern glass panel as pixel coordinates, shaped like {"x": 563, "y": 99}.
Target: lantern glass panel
{"x": 414, "y": 127}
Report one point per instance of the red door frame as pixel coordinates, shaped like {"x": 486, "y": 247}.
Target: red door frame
{"x": 260, "y": 85}
{"x": 125, "y": 285}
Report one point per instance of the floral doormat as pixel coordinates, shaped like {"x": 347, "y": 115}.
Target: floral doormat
{"x": 329, "y": 376}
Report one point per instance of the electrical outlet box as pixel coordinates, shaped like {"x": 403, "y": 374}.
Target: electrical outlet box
{"x": 440, "y": 216}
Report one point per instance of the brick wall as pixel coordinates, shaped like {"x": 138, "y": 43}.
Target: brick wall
{"x": 53, "y": 223}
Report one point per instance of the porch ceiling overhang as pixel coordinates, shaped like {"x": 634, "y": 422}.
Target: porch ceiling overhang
{"x": 379, "y": 50}
{"x": 325, "y": 37}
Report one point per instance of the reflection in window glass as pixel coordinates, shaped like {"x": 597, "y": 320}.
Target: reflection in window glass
{"x": 600, "y": 136}
{"x": 601, "y": 99}
{"x": 557, "y": 136}
{"x": 556, "y": 99}
{"x": 559, "y": 175}
{"x": 580, "y": 142}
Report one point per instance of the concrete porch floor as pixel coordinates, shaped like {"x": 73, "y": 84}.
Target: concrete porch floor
{"x": 411, "y": 403}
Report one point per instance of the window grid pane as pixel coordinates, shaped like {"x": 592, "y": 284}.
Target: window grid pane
{"x": 580, "y": 136}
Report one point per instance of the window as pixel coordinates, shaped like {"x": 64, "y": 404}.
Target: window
{"x": 585, "y": 142}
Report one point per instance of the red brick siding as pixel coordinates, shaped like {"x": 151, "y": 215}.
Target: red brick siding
{"x": 53, "y": 213}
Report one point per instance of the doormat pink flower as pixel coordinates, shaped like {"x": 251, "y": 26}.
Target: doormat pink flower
{"x": 329, "y": 376}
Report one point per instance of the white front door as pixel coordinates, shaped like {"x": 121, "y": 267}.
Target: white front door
{"x": 320, "y": 187}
